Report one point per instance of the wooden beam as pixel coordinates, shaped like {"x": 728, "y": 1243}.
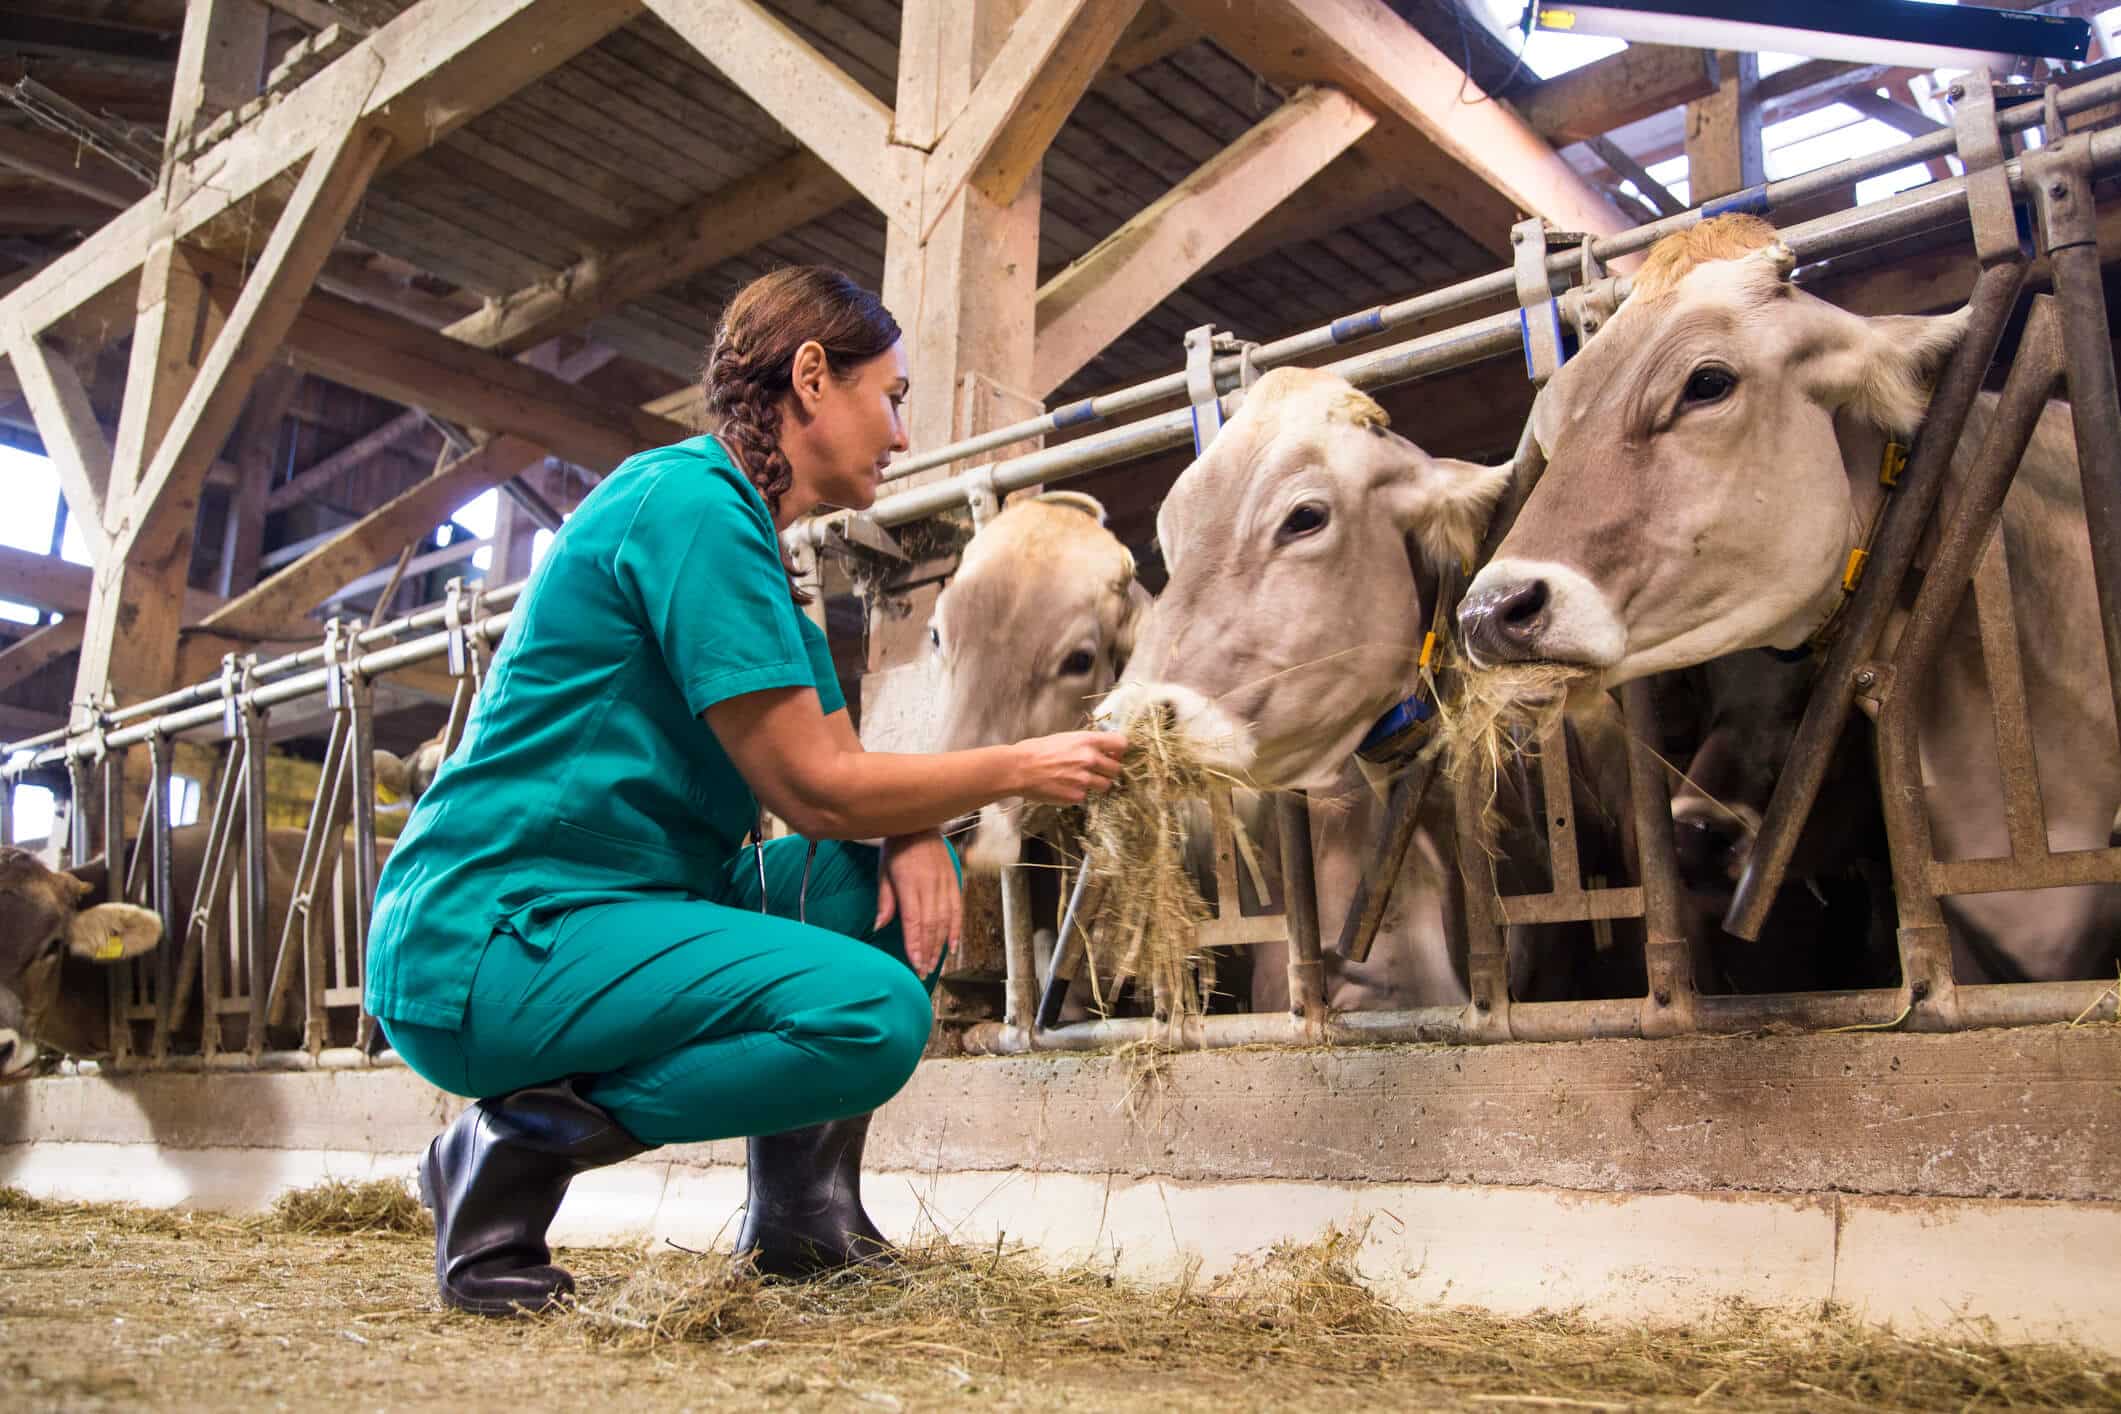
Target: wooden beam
{"x": 308, "y": 227}
{"x": 44, "y": 581}
{"x": 1101, "y": 295}
{"x": 73, "y": 167}
{"x": 420, "y": 77}
{"x": 176, "y": 320}
{"x": 257, "y": 441}
{"x": 1154, "y": 35}
{"x": 298, "y": 488}
{"x": 1612, "y": 92}
{"x": 268, "y": 609}
{"x": 1899, "y": 116}
{"x": 808, "y": 94}
{"x": 1723, "y": 148}
{"x": 1616, "y": 157}
{"x": 1475, "y": 162}
{"x": 220, "y": 65}
{"x": 998, "y": 139}
{"x": 73, "y": 439}
{"x": 740, "y": 216}
{"x": 24, "y": 659}
{"x": 397, "y": 360}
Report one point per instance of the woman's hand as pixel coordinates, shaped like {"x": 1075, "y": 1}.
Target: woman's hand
{"x": 1064, "y": 769}
{"x": 918, "y": 885}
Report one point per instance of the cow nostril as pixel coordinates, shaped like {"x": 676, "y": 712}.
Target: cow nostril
{"x": 7, "y": 1053}
{"x": 1167, "y": 716}
{"x": 1522, "y": 607}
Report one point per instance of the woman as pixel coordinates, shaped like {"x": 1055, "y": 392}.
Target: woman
{"x": 571, "y": 926}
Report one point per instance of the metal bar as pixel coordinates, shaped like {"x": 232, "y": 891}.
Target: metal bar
{"x": 2062, "y": 193}
{"x": 122, "y": 977}
{"x": 1669, "y": 1008}
{"x": 1901, "y": 526}
{"x": 2051, "y": 871}
{"x": 199, "y": 939}
{"x": 155, "y": 843}
{"x": 1925, "y": 944}
{"x": 1564, "y": 868}
{"x": 318, "y": 844}
{"x": 2023, "y": 810}
{"x": 1487, "y": 962}
{"x": 1299, "y": 893}
{"x": 1373, "y": 895}
{"x": 361, "y": 705}
{"x": 1022, "y": 995}
{"x": 254, "y": 871}
{"x": 1069, "y": 953}
{"x": 1583, "y": 906}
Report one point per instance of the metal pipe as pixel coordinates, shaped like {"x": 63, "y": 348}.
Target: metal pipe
{"x": 1902, "y": 524}
{"x": 1299, "y": 895}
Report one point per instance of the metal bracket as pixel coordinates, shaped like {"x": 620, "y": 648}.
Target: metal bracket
{"x": 981, "y": 497}
{"x": 1982, "y": 153}
{"x": 860, "y": 530}
{"x": 1539, "y": 314}
{"x": 460, "y": 611}
{"x": 234, "y": 676}
{"x": 335, "y": 664}
{"x": 1200, "y": 386}
{"x": 2059, "y": 179}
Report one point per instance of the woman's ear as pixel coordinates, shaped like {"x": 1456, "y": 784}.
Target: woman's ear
{"x": 807, "y": 373}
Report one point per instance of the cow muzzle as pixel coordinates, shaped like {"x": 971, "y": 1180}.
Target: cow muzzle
{"x": 18, "y": 1055}
{"x": 1524, "y": 611}
{"x": 1216, "y": 737}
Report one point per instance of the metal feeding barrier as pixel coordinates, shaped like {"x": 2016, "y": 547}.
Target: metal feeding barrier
{"x": 241, "y": 1014}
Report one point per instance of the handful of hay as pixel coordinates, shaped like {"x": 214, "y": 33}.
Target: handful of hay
{"x": 1495, "y": 716}
{"x": 1149, "y": 910}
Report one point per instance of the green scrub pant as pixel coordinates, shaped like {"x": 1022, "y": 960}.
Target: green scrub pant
{"x": 700, "y": 1020}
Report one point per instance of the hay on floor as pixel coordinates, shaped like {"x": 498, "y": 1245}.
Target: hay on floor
{"x": 335, "y": 1207}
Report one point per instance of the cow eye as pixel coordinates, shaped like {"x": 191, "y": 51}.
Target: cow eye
{"x": 1709, "y": 385}
{"x": 1078, "y": 664}
{"x": 935, "y": 638}
{"x": 1304, "y": 520}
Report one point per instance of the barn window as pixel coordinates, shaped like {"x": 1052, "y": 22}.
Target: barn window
{"x": 20, "y": 613}
{"x": 183, "y": 800}
{"x": 33, "y": 815}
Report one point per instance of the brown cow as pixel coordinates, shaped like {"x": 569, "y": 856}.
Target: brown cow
{"x": 1712, "y": 457}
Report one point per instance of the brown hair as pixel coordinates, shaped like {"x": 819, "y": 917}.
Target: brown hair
{"x": 750, "y": 364}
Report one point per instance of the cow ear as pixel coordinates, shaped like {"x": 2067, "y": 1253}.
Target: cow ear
{"x": 1133, "y": 617}
{"x": 85, "y": 881}
{"x": 112, "y": 932}
{"x": 1445, "y": 504}
{"x": 1881, "y": 368}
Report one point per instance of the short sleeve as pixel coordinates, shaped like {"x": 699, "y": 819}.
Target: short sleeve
{"x": 823, "y": 670}
{"x": 703, "y": 569}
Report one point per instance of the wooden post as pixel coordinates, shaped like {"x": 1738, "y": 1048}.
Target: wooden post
{"x": 967, "y": 295}
{"x": 220, "y": 65}
{"x": 243, "y": 534}
{"x": 1723, "y": 151}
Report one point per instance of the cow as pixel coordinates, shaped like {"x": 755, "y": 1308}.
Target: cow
{"x": 60, "y": 928}
{"x": 1711, "y": 462}
{"x": 402, "y": 780}
{"x": 1038, "y": 624}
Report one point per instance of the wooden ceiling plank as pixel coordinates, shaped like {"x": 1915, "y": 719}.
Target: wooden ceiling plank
{"x": 1115, "y": 285}
{"x": 797, "y": 189}
{"x": 1476, "y": 162}
{"x": 1053, "y": 51}
{"x": 826, "y": 110}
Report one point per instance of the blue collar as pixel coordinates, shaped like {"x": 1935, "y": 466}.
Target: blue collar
{"x": 1399, "y": 733}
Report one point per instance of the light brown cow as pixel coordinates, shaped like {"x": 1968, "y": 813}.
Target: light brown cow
{"x": 1031, "y": 631}
{"x": 402, "y": 780}
{"x": 1303, "y": 547}
{"x": 1712, "y": 458}
{"x": 60, "y": 928}
{"x": 1036, "y": 627}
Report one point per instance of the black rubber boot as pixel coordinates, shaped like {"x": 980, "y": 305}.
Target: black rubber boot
{"x": 804, "y": 1215}
{"x": 495, "y": 1179}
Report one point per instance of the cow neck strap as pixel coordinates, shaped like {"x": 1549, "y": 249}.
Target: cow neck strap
{"x": 1892, "y": 461}
{"x": 1400, "y": 734}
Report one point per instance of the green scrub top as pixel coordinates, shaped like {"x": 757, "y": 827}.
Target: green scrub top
{"x": 585, "y": 774}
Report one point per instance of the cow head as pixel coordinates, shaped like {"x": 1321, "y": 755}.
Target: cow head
{"x": 1297, "y": 544}
{"x": 404, "y": 779}
{"x": 49, "y": 924}
{"x": 1032, "y": 630}
{"x": 1702, "y": 490}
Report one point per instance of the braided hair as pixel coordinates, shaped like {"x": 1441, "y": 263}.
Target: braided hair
{"x": 749, "y": 372}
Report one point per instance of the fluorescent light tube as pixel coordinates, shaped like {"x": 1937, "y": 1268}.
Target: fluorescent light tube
{"x": 1898, "y": 32}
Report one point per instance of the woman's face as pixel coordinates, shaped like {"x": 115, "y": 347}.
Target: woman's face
{"x": 849, "y": 430}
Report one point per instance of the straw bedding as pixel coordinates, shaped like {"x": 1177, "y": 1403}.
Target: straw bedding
{"x": 114, "y": 1305}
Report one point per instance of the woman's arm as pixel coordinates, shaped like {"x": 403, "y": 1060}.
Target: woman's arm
{"x": 804, "y": 771}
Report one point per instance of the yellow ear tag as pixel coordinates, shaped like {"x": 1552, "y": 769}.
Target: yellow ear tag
{"x": 113, "y": 948}
{"x": 385, "y": 794}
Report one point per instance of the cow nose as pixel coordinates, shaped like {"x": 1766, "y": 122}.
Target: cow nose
{"x": 1707, "y": 846}
{"x": 1503, "y": 625}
